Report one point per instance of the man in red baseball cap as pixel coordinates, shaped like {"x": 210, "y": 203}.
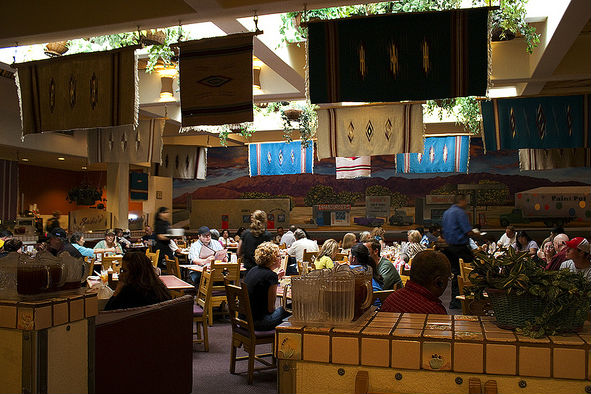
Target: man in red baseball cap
{"x": 578, "y": 255}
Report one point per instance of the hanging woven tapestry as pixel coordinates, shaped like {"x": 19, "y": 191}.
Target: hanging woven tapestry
{"x": 280, "y": 158}
{"x": 183, "y": 162}
{"x": 216, "y": 80}
{"x": 125, "y": 144}
{"x": 353, "y": 167}
{"x": 138, "y": 186}
{"x": 370, "y": 130}
{"x": 536, "y": 123}
{"x": 387, "y": 58}
{"x": 441, "y": 154}
{"x": 81, "y": 91}
{"x": 548, "y": 159}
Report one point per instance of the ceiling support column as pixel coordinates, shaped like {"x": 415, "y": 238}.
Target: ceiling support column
{"x": 118, "y": 193}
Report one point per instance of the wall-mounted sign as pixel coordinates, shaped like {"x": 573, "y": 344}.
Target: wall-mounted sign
{"x": 89, "y": 220}
{"x": 377, "y": 206}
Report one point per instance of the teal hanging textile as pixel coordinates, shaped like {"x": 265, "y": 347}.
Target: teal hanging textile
{"x": 415, "y": 56}
{"x": 280, "y": 158}
{"x": 442, "y": 154}
{"x": 536, "y": 123}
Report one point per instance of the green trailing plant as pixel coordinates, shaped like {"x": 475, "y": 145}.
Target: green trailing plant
{"x": 156, "y": 52}
{"x": 509, "y": 20}
{"x": 565, "y": 295}
{"x": 465, "y": 109}
{"x": 307, "y": 123}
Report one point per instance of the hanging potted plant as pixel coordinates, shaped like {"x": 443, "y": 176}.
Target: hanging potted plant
{"x": 307, "y": 122}
{"x": 84, "y": 195}
{"x": 57, "y": 48}
{"x": 526, "y": 297}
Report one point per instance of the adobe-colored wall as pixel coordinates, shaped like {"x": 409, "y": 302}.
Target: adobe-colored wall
{"x": 48, "y": 187}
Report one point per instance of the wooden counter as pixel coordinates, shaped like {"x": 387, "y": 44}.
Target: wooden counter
{"x": 413, "y": 353}
{"x": 48, "y": 346}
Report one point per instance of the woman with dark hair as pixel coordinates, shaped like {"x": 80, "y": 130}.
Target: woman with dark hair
{"x": 225, "y": 239}
{"x": 253, "y": 237}
{"x": 360, "y": 257}
{"x": 161, "y": 229}
{"x": 138, "y": 284}
{"x": 524, "y": 243}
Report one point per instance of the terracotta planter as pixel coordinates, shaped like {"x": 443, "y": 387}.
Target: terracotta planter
{"x": 57, "y": 48}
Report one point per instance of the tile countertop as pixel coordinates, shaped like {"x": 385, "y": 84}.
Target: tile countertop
{"x": 457, "y": 343}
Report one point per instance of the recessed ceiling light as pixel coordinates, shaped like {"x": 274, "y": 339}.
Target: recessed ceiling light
{"x": 24, "y": 159}
{"x": 61, "y": 158}
{"x": 84, "y": 167}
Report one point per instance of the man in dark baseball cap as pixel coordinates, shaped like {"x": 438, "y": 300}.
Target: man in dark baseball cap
{"x": 203, "y": 230}
{"x": 58, "y": 242}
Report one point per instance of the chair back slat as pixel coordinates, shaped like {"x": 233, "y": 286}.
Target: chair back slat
{"x": 153, "y": 257}
{"x": 172, "y": 266}
{"x": 204, "y": 292}
{"x": 239, "y": 306}
{"x": 309, "y": 256}
{"x": 231, "y": 271}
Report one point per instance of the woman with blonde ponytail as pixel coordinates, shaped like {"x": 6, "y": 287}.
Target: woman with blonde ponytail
{"x": 253, "y": 237}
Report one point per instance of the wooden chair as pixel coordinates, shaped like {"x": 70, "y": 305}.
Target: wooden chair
{"x": 309, "y": 256}
{"x": 342, "y": 257}
{"x": 302, "y": 270}
{"x": 229, "y": 271}
{"x": 381, "y": 295}
{"x": 172, "y": 267}
{"x": 404, "y": 278}
{"x": 243, "y": 332}
{"x": 153, "y": 257}
{"x": 200, "y": 309}
{"x": 108, "y": 262}
{"x": 469, "y": 305}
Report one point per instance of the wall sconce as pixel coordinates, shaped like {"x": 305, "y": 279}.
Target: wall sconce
{"x": 256, "y": 73}
{"x": 166, "y": 92}
{"x": 166, "y": 77}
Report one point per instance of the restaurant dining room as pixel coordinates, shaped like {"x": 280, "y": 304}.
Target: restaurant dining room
{"x": 277, "y": 196}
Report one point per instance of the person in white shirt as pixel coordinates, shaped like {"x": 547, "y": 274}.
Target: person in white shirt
{"x": 508, "y": 238}
{"x": 288, "y": 238}
{"x": 202, "y": 251}
{"x": 579, "y": 258}
{"x": 301, "y": 243}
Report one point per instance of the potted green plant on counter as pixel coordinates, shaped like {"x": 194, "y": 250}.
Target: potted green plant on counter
{"x": 526, "y": 297}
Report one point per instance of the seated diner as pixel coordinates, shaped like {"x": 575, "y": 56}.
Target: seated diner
{"x": 429, "y": 275}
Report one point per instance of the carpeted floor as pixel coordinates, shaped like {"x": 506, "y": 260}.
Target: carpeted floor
{"x": 211, "y": 370}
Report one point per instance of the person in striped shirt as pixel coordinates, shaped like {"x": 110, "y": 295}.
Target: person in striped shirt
{"x": 429, "y": 275}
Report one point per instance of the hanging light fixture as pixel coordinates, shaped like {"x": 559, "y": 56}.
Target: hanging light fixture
{"x": 256, "y": 73}
{"x": 167, "y": 75}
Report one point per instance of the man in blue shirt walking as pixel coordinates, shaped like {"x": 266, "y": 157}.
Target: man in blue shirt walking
{"x": 456, "y": 232}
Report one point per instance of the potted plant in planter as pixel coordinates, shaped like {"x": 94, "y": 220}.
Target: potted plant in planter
{"x": 84, "y": 195}
{"x": 306, "y": 118}
{"x": 526, "y": 297}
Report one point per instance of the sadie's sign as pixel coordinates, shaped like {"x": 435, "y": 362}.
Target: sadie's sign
{"x": 89, "y": 220}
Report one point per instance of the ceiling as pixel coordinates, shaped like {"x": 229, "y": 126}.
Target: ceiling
{"x": 560, "y": 65}
{"x": 33, "y": 21}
